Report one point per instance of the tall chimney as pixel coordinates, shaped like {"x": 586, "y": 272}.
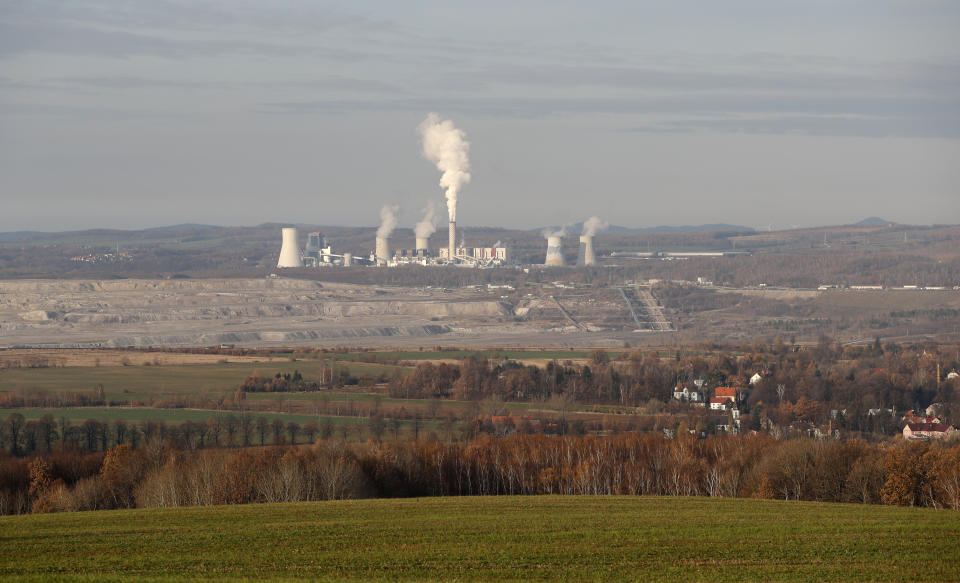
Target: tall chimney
{"x": 383, "y": 250}
{"x": 453, "y": 240}
{"x": 586, "y": 256}
{"x": 554, "y": 251}
{"x": 289, "y": 252}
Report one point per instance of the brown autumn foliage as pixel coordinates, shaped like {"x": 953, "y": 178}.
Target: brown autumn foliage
{"x": 759, "y": 466}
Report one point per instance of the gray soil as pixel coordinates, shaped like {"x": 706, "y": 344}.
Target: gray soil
{"x": 273, "y": 312}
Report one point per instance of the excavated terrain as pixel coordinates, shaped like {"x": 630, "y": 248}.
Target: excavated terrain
{"x": 280, "y": 311}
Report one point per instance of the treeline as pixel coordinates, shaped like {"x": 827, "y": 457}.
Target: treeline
{"x": 22, "y": 437}
{"x": 900, "y": 473}
{"x": 280, "y": 382}
{"x": 93, "y": 398}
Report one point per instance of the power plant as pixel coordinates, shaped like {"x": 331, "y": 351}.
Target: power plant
{"x": 444, "y": 145}
{"x": 319, "y": 253}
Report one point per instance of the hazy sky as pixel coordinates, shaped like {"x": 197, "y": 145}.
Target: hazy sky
{"x": 764, "y": 112}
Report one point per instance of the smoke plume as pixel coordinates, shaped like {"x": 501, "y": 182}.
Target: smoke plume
{"x": 561, "y": 232}
{"x": 388, "y": 220}
{"x": 594, "y": 225}
{"x": 428, "y": 225}
{"x": 447, "y": 147}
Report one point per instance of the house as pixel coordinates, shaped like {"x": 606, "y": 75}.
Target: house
{"x": 685, "y": 395}
{"x": 756, "y": 378}
{"x": 916, "y": 431}
{"x": 728, "y": 392}
{"x": 874, "y": 412}
{"x": 720, "y": 403}
{"x": 953, "y": 375}
{"x": 722, "y": 424}
{"x": 913, "y": 417}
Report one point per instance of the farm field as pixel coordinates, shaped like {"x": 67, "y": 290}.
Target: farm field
{"x": 496, "y": 538}
{"x": 122, "y": 383}
{"x": 190, "y": 390}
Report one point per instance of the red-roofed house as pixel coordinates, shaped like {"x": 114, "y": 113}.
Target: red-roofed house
{"x": 927, "y": 431}
{"x": 725, "y": 392}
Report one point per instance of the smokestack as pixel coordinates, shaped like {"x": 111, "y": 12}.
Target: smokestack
{"x": 383, "y": 250}
{"x": 447, "y": 147}
{"x": 586, "y": 256}
{"x": 453, "y": 239}
{"x": 289, "y": 252}
{"x": 554, "y": 251}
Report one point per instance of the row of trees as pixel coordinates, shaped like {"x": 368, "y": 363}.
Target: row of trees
{"x": 21, "y": 437}
{"x": 280, "y": 382}
{"x": 901, "y": 473}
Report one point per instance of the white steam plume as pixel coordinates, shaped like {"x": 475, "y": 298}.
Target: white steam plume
{"x": 561, "y": 232}
{"x": 428, "y": 225}
{"x": 388, "y": 220}
{"x": 594, "y": 225}
{"x": 447, "y": 147}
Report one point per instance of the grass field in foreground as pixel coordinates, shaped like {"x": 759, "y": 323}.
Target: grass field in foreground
{"x": 497, "y": 538}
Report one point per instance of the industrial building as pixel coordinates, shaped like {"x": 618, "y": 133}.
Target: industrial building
{"x": 318, "y": 252}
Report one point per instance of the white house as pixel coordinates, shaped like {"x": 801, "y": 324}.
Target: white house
{"x": 719, "y": 403}
{"x": 756, "y": 378}
{"x": 685, "y": 395}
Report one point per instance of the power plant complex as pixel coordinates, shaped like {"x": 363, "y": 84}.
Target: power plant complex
{"x": 446, "y": 147}
{"x": 319, "y": 253}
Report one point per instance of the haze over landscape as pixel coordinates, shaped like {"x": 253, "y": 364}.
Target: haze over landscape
{"x": 238, "y": 113}
{"x": 539, "y": 291}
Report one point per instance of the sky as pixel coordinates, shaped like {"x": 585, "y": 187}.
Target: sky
{"x": 762, "y": 113}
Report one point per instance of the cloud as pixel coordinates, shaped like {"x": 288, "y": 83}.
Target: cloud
{"x": 858, "y": 116}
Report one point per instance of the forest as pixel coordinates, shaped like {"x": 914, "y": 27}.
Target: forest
{"x": 156, "y": 474}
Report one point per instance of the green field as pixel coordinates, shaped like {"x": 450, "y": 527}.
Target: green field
{"x": 122, "y": 383}
{"x": 498, "y": 538}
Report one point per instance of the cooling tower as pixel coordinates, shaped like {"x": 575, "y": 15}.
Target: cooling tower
{"x": 289, "y": 252}
{"x": 453, "y": 240}
{"x": 347, "y": 259}
{"x": 586, "y": 256}
{"x": 383, "y": 250}
{"x": 422, "y": 244}
{"x": 554, "y": 251}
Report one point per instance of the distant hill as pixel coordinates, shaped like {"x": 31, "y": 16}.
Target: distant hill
{"x": 620, "y": 230}
{"x": 183, "y": 227}
{"x": 873, "y": 222}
